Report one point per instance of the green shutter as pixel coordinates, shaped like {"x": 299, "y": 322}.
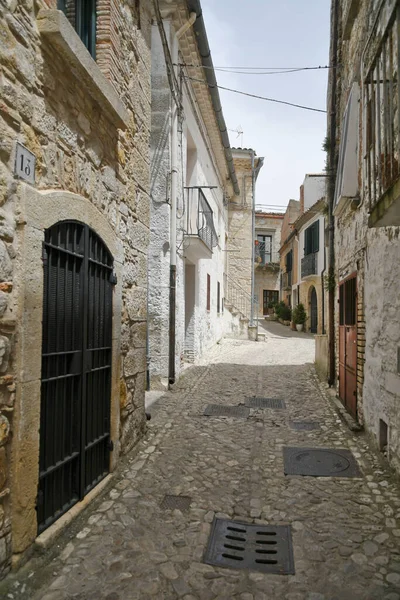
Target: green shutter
{"x": 315, "y": 237}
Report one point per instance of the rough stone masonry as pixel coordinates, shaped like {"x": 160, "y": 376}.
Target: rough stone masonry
{"x": 88, "y": 126}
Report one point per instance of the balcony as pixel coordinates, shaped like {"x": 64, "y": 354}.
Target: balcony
{"x": 309, "y": 264}
{"x": 265, "y": 258}
{"x": 200, "y": 234}
{"x": 287, "y": 281}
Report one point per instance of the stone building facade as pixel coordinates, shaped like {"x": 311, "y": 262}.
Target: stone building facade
{"x": 367, "y": 214}
{"x": 204, "y": 187}
{"x": 267, "y": 262}
{"x": 289, "y": 253}
{"x": 240, "y": 235}
{"x": 73, "y": 247}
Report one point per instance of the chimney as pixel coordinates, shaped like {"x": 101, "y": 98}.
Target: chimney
{"x": 301, "y": 199}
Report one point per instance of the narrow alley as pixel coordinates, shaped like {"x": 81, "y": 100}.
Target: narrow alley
{"x": 136, "y": 543}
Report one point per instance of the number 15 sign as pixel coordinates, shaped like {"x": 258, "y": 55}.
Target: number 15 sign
{"x": 25, "y": 163}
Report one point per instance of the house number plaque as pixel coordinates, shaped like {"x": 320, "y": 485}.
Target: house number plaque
{"x": 25, "y": 163}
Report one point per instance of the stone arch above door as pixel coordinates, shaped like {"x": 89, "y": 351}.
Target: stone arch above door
{"x": 35, "y": 212}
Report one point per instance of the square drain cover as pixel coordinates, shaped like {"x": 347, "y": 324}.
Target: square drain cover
{"x": 237, "y": 545}
{"x": 218, "y": 410}
{"x": 320, "y": 462}
{"x": 172, "y": 502}
{"x": 304, "y": 425}
{"x": 265, "y": 403}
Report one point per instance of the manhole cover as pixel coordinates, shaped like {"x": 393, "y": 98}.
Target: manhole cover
{"x": 172, "y": 502}
{"x": 265, "y": 403}
{"x": 217, "y": 410}
{"x": 320, "y": 462}
{"x": 304, "y": 425}
{"x": 239, "y": 545}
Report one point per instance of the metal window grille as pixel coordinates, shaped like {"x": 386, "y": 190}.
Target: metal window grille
{"x": 382, "y": 102}
{"x": 76, "y": 368}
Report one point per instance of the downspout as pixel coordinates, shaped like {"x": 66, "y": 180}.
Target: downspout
{"x": 174, "y": 203}
{"x": 253, "y": 226}
{"x": 254, "y": 174}
{"x": 331, "y": 193}
{"x": 323, "y": 293}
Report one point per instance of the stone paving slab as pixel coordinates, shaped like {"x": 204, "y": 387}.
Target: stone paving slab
{"x": 346, "y": 532}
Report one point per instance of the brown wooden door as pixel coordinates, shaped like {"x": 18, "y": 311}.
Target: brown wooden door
{"x": 348, "y": 344}
{"x": 269, "y": 297}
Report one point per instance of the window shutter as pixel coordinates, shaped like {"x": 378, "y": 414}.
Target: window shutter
{"x": 315, "y": 237}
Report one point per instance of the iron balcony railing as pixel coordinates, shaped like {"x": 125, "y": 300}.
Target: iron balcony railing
{"x": 309, "y": 264}
{"x": 263, "y": 254}
{"x": 199, "y": 217}
{"x": 287, "y": 280}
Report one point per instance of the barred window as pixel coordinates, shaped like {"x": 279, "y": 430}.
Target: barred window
{"x": 381, "y": 105}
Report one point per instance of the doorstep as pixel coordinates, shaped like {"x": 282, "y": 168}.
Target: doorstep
{"x": 47, "y": 538}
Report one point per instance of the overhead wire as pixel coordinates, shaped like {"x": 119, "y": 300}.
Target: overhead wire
{"x": 221, "y": 87}
{"x": 257, "y": 70}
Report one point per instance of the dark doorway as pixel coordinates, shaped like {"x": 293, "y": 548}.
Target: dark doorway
{"x": 76, "y": 368}
{"x": 348, "y": 344}
{"x": 313, "y": 311}
{"x": 269, "y": 297}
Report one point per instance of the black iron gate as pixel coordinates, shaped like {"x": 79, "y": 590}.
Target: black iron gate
{"x": 314, "y": 311}
{"x": 76, "y": 367}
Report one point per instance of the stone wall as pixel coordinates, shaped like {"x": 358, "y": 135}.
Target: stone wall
{"x": 68, "y": 113}
{"x": 373, "y": 254}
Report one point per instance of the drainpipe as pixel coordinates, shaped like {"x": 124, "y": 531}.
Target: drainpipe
{"x": 323, "y": 294}
{"x": 253, "y": 226}
{"x": 174, "y": 203}
{"x": 331, "y": 193}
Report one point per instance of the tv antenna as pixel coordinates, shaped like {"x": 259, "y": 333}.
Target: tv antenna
{"x": 239, "y": 132}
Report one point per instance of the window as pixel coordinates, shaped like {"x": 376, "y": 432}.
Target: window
{"x": 208, "y": 292}
{"x": 381, "y": 102}
{"x": 270, "y": 297}
{"x": 347, "y": 173}
{"x": 82, "y": 15}
{"x": 348, "y": 302}
{"x": 311, "y": 239}
{"x": 218, "y": 297}
{"x": 264, "y": 248}
{"x": 289, "y": 261}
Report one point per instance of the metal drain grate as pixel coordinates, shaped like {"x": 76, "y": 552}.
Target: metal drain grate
{"x": 217, "y": 410}
{"x": 265, "y": 403}
{"x": 182, "y": 503}
{"x": 320, "y": 462}
{"x": 304, "y": 425}
{"x": 239, "y": 545}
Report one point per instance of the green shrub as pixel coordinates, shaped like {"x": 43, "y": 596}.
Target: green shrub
{"x": 299, "y": 314}
{"x": 278, "y": 308}
{"x": 286, "y": 313}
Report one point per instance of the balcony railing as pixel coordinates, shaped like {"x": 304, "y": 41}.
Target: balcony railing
{"x": 264, "y": 256}
{"x": 309, "y": 264}
{"x": 287, "y": 280}
{"x": 199, "y": 217}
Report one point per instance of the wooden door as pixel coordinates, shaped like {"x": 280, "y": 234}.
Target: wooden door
{"x": 348, "y": 344}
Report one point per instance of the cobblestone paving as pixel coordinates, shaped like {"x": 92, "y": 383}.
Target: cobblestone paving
{"x": 346, "y": 531}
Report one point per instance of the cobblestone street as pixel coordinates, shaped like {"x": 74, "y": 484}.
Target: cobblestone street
{"x": 126, "y": 546}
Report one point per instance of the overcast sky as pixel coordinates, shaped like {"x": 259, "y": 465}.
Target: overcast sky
{"x": 271, "y": 33}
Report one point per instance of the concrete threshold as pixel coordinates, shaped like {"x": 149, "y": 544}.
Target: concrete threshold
{"x": 47, "y": 538}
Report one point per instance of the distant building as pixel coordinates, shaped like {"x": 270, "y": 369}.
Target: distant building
{"x": 268, "y": 227}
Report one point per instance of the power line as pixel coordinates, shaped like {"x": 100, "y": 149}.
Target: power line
{"x": 255, "y": 96}
{"x": 257, "y": 70}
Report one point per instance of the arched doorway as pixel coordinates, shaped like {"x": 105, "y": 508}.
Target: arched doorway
{"x": 313, "y": 311}
{"x": 76, "y": 367}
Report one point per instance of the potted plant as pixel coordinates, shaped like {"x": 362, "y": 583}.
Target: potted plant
{"x": 299, "y": 316}
{"x": 286, "y": 314}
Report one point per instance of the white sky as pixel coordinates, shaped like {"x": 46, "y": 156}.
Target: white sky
{"x": 274, "y": 33}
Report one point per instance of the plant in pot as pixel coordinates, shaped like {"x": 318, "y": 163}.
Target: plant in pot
{"x": 299, "y": 316}
{"x": 286, "y": 314}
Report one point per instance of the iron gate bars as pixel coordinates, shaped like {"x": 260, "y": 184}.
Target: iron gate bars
{"x": 76, "y": 367}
